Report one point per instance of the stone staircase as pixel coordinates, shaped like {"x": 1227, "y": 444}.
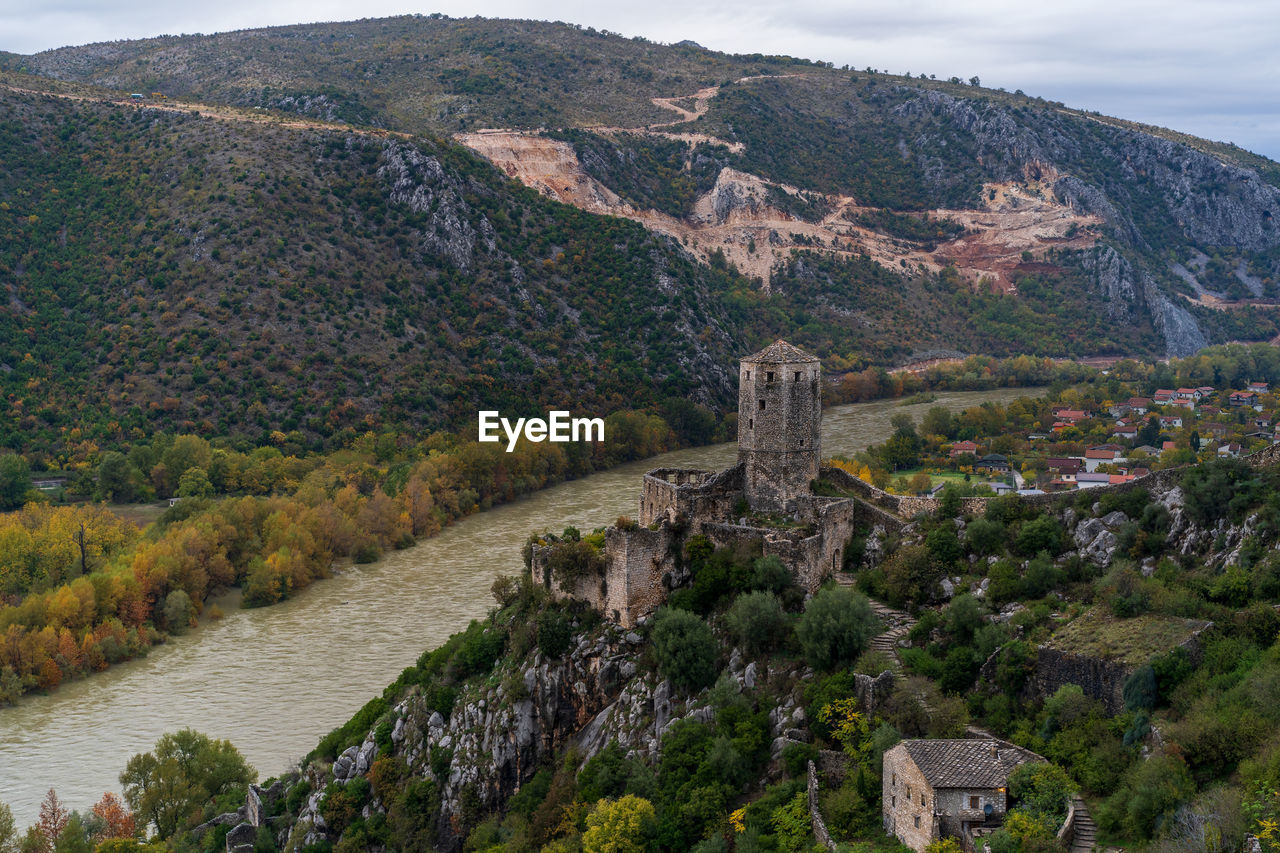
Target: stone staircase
{"x": 897, "y": 625}
{"x": 1085, "y": 837}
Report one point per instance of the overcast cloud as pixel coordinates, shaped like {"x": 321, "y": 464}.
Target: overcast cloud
{"x": 1205, "y": 68}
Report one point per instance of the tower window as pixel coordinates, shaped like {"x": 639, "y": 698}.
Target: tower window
{"x": 748, "y": 374}
{"x": 751, "y": 423}
{"x": 802, "y": 442}
{"x": 762, "y": 405}
{"x": 797, "y": 376}
{"x": 768, "y": 377}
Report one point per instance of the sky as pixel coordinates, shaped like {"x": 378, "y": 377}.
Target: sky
{"x": 1206, "y": 68}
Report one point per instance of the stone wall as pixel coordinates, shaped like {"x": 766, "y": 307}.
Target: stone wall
{"x": 1100, "y": 679}
{"x": 642, "y": 568}
{"x": 909, "y": 506}
{"x": 914, "y": 824}
{"x": 820, "y": 831}
{"x": 955, "y": 811}
{"x": 698, "y": 496}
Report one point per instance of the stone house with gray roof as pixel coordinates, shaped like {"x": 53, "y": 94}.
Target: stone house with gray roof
{"x": 938, "y": 788}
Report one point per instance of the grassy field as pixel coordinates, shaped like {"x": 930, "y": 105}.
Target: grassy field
{"x": 1133, "y": 641}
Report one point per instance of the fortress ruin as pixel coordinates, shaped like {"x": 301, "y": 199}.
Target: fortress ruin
{"x": 766, "y": 499}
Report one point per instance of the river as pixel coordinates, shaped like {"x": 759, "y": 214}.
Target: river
{"x": 274, "y": 680}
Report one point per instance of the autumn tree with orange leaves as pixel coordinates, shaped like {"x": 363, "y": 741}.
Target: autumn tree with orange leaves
{"x": 117, "y": 820}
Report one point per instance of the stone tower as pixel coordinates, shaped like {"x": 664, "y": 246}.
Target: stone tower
{"x": 779, "y": 424}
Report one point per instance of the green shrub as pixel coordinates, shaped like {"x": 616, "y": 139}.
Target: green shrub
{"x": 944, "y": 544}
{"x": 911, "y": 575}
{"x": 756, "y": 622}
{"x": 796, "y": 757}
{"x": 570, "y": 562}
{"x": 367, "y": 551}
{"x": 836, "y": 626}
{"x": 1042, "y": 789}
{"x": 1041, "y": 534}
{"x": 1150, "y": 791}
{"x": 555, "y": 632}
{"x": 984, "y": 536}
{"x": 685, "y": 648}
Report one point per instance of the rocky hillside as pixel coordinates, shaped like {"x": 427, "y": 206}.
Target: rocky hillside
{"x": 517, "y": 731}
{"x": 1163, "y": 241}
{"x": 172, "y": 269}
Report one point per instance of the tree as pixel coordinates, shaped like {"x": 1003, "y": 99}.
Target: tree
{"x": 53, "y": 819}
{"x": 911, "y": 574}
{"x": 836, "y": 626}
{"x": 73, "y": 838}
{"x": 117, "y": 821}
{"x": 15, "y": 481}
{"x": 8, "y": 831}
{"x": 619, "y": 826}
{"x": 756, "y": 621}
{"x": 167, "y": 787}
{"x": 685, "y": 646}
{"x": 1150, "y": 433}
{"x": 938, "y": 421}
{"x": 1041, "y": 534}
{"x": 117, "y": 478}
{"x": 194, "y": 483}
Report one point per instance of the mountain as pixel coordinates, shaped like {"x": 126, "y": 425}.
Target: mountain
{"x": 165, "y": 270}
{"x": 297, "y": 207}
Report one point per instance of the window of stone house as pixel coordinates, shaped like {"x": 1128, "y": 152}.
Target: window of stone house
{"x": 893, "y": 802}
{"x": 751, "y": 423}
{"x": 797, "y": 379}
{"x": 908, "y": 792}
{"x": 922, "y": 799}
{"x": 748, "y": 374}
{"x": 768, "y": 376}
{"x": 973, "y": 802}
{"x": 762, "y": 402}
{"x": 894, "y": 783}
{"x": 917, "y": 821}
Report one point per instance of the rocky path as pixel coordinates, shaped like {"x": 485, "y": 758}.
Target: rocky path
{"x": 897, "y": 624}
{"x": 1086, "y": 831}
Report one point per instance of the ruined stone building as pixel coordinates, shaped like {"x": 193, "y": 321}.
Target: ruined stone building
{"x": 766, "y": 499}
{"x": 947, "y": 788}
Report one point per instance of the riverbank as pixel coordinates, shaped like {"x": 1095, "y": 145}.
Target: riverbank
{"x": 275, "y": 680}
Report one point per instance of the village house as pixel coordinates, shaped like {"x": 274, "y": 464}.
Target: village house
{"x": 960, "y": 448}
{"x": 935, "y": 789}
{"x": 1064, "y": 468}
{"x": 1244, "y": 398}
{"x": 1092, "y": 479}
{"x": 995, "y": 463}
{"x": 1163, "y": 397}
{"x": 1095, "y": 456}
{"x": 1259, "y": 387}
